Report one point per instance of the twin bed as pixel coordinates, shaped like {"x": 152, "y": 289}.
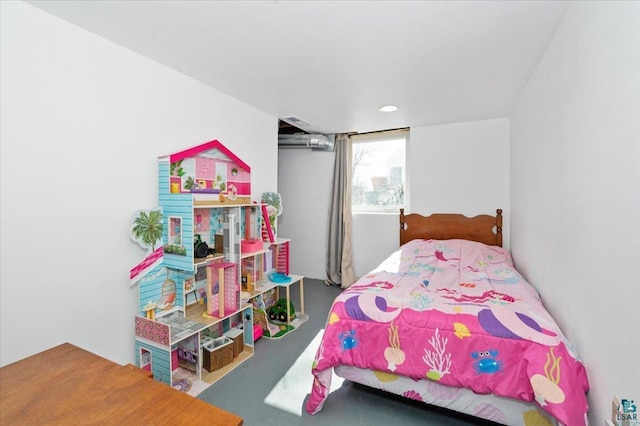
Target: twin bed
{"x": 448, "y": 320}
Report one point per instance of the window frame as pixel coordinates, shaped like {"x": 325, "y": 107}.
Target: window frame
{"x": 380, "y": 137}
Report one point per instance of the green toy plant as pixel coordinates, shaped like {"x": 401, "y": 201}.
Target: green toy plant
{"x": 176, "y": 169}
{"x": 189, "y": 183}
{"x": 175, "y": 249}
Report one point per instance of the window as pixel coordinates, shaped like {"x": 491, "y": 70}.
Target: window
{"x": 378, "y": 171}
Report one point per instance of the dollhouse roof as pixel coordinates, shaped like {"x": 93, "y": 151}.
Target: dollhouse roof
{"x": 208, "y": 146}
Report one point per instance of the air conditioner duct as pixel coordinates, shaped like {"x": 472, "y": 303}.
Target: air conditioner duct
{"x": 316, "y": 142}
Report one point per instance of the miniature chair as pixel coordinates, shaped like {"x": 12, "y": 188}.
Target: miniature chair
{"x": 180, "y": 353}
{"x": 168, "y": 296}
{"x": 193, "y": 291}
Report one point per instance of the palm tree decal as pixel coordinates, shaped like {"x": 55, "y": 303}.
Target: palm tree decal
{"x": 148, "y": 228}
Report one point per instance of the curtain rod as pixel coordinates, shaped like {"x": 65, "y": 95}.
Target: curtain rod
{"x": 380, "y": 132}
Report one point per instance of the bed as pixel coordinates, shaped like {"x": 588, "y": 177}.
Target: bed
{"x": 449, "y": 321}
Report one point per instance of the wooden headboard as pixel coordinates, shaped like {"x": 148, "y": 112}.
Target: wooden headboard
{"x": 451, "y": 226}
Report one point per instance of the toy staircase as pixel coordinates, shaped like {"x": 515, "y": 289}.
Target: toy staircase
{"x": 282, "y": 258}
{"x": 282, "y": 250}
{"x": 267, "y": 232}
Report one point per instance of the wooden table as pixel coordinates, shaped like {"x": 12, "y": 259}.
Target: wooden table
{"x": 68, "y": 385}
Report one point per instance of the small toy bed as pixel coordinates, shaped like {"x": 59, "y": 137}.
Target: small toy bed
{"x": 449, "y": 321}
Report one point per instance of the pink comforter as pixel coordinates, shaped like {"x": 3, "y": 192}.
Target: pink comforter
{"x": 456, "y": 312}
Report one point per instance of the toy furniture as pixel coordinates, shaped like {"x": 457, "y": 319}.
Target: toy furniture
{"x": 168, "y": 296}
{"x": 33, "y": 392}
{"x": 205, "y": 238}
{"x": 217, "y": 354}
{"x": 150, "y": 310}
{"x": 221, "y": 278}
{"x": 257, "y": 332}
{"x": 188, "y": 292}
{"x": 287, "y": 286}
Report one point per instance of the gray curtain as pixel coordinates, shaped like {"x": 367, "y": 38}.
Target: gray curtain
{"x": 339, "y": 249}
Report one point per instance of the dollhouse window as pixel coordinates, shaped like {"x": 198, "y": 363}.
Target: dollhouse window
{"x": 175, "y": 230}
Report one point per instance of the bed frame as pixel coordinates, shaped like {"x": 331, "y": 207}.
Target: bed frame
{"x": 452, "y": 226}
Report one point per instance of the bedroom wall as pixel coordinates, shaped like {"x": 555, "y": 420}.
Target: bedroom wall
{"x": 461, "y": 168}
{"x": 443, "y": 169}
{"x": 83, "y": 121}
{"x": 442, "y": 174}
{"x": 305, "y": 182}
{"x": 575, "y": 191}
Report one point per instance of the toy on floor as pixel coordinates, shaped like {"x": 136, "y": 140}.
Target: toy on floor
{"x": 260, "y": 318}
{"x": 279, "y": 311}
{"x": 266, "y": 328}
{"x": 278, "y": 331}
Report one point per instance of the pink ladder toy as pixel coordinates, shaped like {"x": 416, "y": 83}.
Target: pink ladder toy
{"x": 282, "y": 258}
{"x": 267, "y": 232}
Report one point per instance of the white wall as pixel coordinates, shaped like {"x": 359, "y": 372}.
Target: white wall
{"x": 305, "y": 180}
{"x": 83, "y": 121}
{"x": 452, "y": 168}
{"x": 575, "y": 191}
{"x": 461, "y": 168}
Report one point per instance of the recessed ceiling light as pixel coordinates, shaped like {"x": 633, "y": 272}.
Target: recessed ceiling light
{"x": 388, "y": 108}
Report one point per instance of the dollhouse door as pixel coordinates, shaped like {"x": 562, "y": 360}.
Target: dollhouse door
{"x": 145, "y": 360}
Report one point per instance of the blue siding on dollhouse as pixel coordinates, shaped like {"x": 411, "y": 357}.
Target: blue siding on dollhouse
{"x": 160, "y": 361}
{"x": 178, "y": 205}
{"x": 182, "y": 262}
{"x": 150, "y": 287}
{"x": 181, "y": 276}
{"x": 163, "y": 177}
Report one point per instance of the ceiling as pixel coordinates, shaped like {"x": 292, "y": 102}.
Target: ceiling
{"x": 332, "y": 64}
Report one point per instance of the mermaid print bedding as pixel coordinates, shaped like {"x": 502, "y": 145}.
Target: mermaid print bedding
{"x": 457, "y": 313}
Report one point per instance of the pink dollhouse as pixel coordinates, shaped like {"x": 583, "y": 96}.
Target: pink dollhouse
{"x": 190, "y": 298}
{"x": 210, "y": 168}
